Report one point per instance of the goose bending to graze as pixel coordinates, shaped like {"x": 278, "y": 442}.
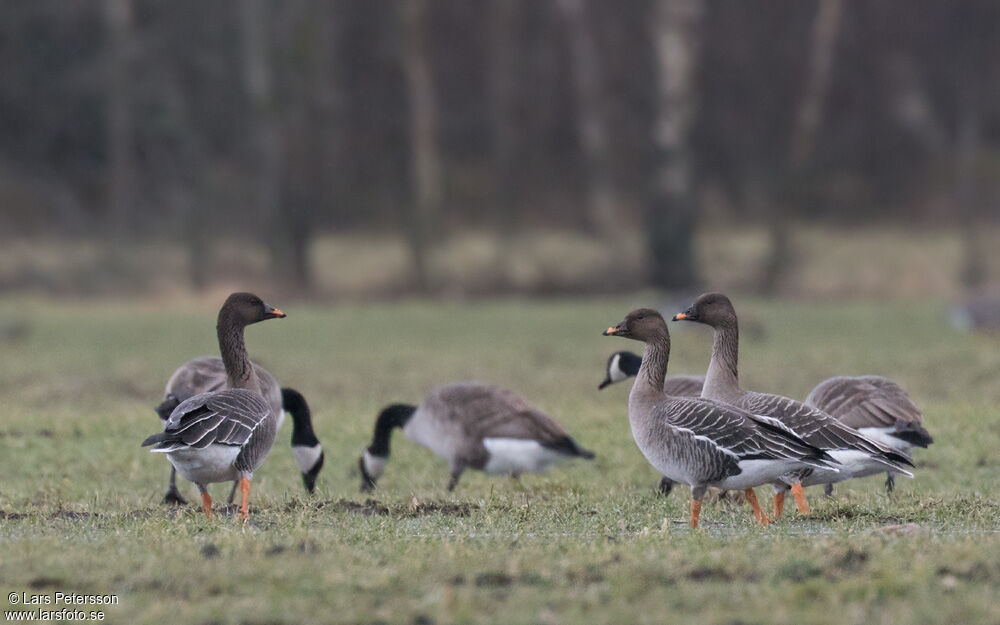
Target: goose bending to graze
{"x": 473, "y": 426}
{"x": 876, "y": 407}
{"x": 701, "y": 442}
{"x": 624, "y": 365}
{"x": 858, "y": 455}
{"x": 224, "y": 435}
{"x": 207, "y": 373}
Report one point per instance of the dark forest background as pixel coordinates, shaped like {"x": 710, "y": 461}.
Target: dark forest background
{"x": 167, "y": 127}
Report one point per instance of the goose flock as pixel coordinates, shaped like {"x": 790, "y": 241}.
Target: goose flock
{"x": 221, "y": 416}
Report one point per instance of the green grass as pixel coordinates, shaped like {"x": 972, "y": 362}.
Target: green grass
{"x": 588, "y": 542}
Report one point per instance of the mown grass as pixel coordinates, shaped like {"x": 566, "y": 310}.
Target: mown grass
{"x": 589, "y": 542}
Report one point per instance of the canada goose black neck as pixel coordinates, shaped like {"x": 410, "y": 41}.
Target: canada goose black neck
{"x": 394, "y": 416}
{"x": 302, "y": 428}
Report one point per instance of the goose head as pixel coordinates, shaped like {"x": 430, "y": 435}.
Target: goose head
{"x": 712, "y": 309}
{"x": 643, "y": 324}
{"x": 306, "y": 449}
{"x": 372, "y": 462}
{"x": 621, "y": 366}
{"x": 246, "y": 308}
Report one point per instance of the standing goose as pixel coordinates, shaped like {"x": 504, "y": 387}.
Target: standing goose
{"x": 700, "y": 442}
{"x": 224, "y": 435}
{"x": 472, "y": 426}
{"x": 878, "y": 408}
{"x": 207, "y": 373}
{"x": 873, "y": 405}
{"x": 858, "y": 456}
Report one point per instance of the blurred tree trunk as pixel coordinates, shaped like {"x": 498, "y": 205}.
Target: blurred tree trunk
{"x": 966, "y": 152}
{"x": 671, "y": 209}
{"x": 602, "y": 196}
{"x": 425, "y": 159}
{"x": 267, "y": 149}
{"x": 808, "y": 120}
{"x": 307, "y": 185}
{"x": 121, "y": 171}
{"x": 503, "y": 88}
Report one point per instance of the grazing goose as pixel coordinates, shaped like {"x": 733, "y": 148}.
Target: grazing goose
{"x": 858, "y": 455}
{"x": 878, "y": 408}
{"x": 700, "y": 442}
{"x": 624, "y": 365}
{"x": 473, "y": 426}
{"x": 873, "y": 405}
{"x": 207, "y": 373}
{"x": 224, "y": 435}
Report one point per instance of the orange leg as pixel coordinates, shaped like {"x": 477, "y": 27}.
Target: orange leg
{"x": 755, "y": 505}
{"x": 206, "y": 504}
{"x": 779, "y": 504}
{"x": 695, "y": 512}
{"x": 800, "y": 498}
{"x": 245, "y": 490}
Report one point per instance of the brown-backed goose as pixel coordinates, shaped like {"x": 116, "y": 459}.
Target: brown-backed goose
{"x": 858, "y": 455}
{"x": 224, "y": 435}
{"x": 701, "y": 442}
{"x": 473, "y": 426}
{"x": 207, "y": 373}
{"x": 875, "y": 406}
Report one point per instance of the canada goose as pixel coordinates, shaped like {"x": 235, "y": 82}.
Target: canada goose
{"x": 858, "y": 456}
{"x": 873, "y": 405}
{"x": 224, "y": 435}
{"x": 475, "y": 426}
{"x": 207, "y": 373}
{"x": 878, "y": 408}
{"x": 700, "y": 442}
{"x": 624, "y": 365}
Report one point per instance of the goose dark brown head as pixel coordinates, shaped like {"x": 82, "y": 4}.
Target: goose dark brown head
{"x": 247, "y": 308}
{"x": 643, "y": 324}
{"x": 712, "y": 309}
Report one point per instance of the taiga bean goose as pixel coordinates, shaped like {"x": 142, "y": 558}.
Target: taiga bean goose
{"x": 473, "y": 426}
{"x": 858, "y": 456}
{"x": 624, "y": 365}
{"x": 875, "y": 406}
{"x": 224, "y": 435}
{"x": 700, "y": 442}
{"x": 207, "y": 373}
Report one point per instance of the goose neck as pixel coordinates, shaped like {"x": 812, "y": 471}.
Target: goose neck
{"x": 232, "y": 347}
{"x": 722, "y": 380}
{"x": 653, "y": 369}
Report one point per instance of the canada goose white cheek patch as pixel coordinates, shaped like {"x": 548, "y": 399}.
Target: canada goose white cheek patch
{"x": 374, "y": 465}
{"x": 517, "y": 455}
{"x": 614, "y": 370}
{"x": 884, "y": 436}
{"x": 307, "y": 457}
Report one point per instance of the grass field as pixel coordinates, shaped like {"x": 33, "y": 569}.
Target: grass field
{"x": 586, "y": 543}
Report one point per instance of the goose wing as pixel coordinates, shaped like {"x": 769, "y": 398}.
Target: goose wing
{"x": 738, "y": 431}
{"x": 870, "y": 401}
{"x": 225, "y": 417}
{"x": 683, "y": 385}
{"x": 207, "y": 374}
{"x": 698, "y": 455}
{"x": 816, "y": 427}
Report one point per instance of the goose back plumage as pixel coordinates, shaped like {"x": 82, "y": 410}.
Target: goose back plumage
{"x": 872, "y": 401}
